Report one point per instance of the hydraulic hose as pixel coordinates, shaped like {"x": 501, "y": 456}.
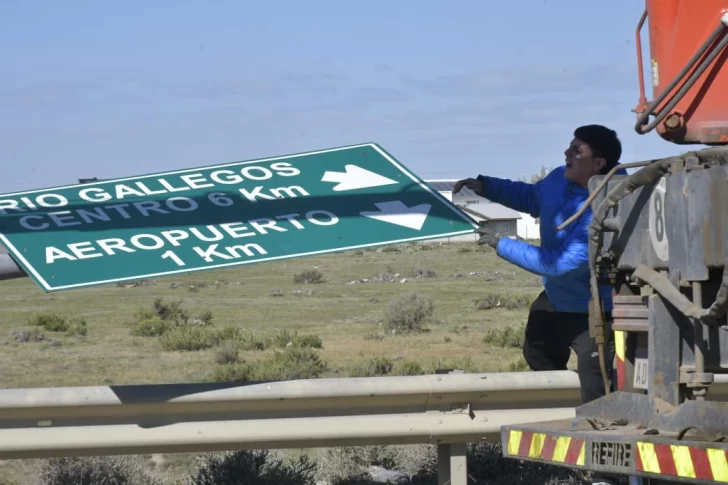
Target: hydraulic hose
{"x": 668, "y": 291}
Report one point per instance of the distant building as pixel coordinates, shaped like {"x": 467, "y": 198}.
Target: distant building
{"x": 500, "y": 218}
{"x": 89, "y": 180}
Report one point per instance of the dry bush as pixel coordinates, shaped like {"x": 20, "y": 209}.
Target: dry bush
{"x": 179, "y": 331}
{"x": 310, "y": 276}
{"x": 417, "y": 465}
{"x": 150, "y": 326}
{"x": 293, "y": 363}
{"x": 161, "y": 318}
{"x": 506, "y": 337}
{"x": 227, "y": 354}
{"x": 410, "y": 313}
{"x": 376, "y": 366}
{"x": 188, "y": 338}
{"x": 105, "y": 470}
{"x": 342, "y": 465}
{"x": 424, "y": 272}
{"x": 52, "y": 322}
{"x": 509, "y": 302}
{"x": 384, "y": 366}
{"x": 252, "y": 468}
{"x": 284, "y": 338}
{"x": 233, "y": 372}
{"x": 193, "y": 337}
{"x": 407, "y": 368}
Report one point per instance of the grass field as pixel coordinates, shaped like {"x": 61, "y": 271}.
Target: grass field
{"x": 471, "y": 292}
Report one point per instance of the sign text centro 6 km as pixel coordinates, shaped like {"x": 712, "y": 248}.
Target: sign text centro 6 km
{"x": 221, "y": 216}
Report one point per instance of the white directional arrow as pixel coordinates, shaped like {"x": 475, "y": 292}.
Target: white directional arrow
{"x": 396, "y": 212}
{"x": 356, "y": 178}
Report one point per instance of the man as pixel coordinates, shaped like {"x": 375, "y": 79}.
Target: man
{"x": 558, "y": 319}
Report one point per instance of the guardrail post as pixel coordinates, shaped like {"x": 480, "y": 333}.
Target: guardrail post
{"x": 452, "y": 464}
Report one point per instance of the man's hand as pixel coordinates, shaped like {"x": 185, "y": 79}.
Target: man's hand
{"x": 488, "y": 236}
{"x": 473, "y": 184}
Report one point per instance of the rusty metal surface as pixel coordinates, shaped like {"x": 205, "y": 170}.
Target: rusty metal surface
{"x": 630, "y": 313}
{"x": 649, "y": 413}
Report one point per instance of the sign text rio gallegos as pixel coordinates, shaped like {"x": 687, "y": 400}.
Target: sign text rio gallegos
{"x": 221, "y": 216}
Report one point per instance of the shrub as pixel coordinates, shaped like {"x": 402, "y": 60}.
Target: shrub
{"x": 233, "y": 372}
{"x": 188, "y": 338}
{"x": 227, "y": 354}
{"x": 150, "y": 327}
{"x": 252, "y": 468}
{"x": 204, "y": 318}
{"x": 383, "y": 366}
{"x": 293, "y": 363}
{"x": 509, "y": 302}
{"x": 417, "y": 464}
{"x": 345, "y": 465}
{"x": 284, "y": 338}
{"x": 376, "y": 366}
{"x": 51, "y": 322}
{"x": 77, "y": 326}
{"x": 172, "y": 312}
{"x": 111, "y": 470}
{"x": 248, "y": 341}
{"x": 193, "y": 337}
{"x": 410, "y": 313}
{"x": 312, "y": 276}
{"x": 161, "y": 318}
{"x": 507, "y": 337}
{"x": 405, "y": 368}
{"x": 423, "y": 272}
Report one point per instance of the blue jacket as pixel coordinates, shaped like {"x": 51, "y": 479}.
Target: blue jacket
{"x": 563, "y": 256}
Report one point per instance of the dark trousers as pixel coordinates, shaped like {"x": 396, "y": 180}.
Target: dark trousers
{"x": 550, "y": 337}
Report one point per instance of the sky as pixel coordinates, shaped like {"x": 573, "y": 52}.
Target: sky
{"x": 451, "y": 89}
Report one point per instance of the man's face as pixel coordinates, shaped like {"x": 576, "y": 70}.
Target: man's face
{"x": 581, "y": 163}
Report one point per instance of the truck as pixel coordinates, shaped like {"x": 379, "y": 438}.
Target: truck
{"x": 659, "y": 238}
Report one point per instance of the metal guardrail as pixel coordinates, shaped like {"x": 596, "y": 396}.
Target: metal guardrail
{"x": 449, "y": 410}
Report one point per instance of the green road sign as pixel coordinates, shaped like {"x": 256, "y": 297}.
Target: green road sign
{"x": 221, "y": 216}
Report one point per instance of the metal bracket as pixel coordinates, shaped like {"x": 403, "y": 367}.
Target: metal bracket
{"x": 462, "y": 408}
{"x": 693, "y": 379}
